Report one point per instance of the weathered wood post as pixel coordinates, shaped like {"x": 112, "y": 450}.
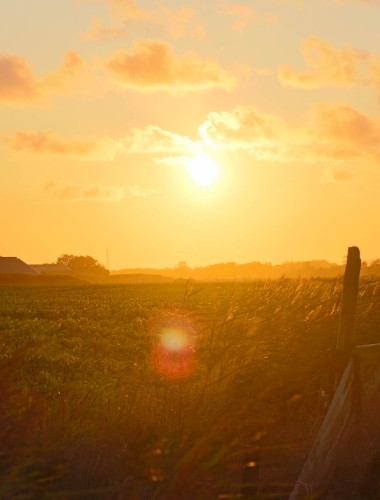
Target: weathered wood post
{"x": 344, "y": 344}
{"x": 338, "y": 359}
{"x": 349, "y": 299}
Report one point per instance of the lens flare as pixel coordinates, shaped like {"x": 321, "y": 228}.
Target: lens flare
{"x": 173, "y": 356}
{"x": 174, "y": 340}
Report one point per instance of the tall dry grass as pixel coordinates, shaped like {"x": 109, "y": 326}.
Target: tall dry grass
{"x": 115, "y": 428}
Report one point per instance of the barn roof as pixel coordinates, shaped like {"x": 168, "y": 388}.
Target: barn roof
{"x": 50, "y": 267}
{"x": 14, "y": 265}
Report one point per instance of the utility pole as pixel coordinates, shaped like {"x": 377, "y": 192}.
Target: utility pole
{"x": 108, "y": 260}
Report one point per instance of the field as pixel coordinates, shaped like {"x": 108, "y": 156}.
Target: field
{"x": 166, "y": 391}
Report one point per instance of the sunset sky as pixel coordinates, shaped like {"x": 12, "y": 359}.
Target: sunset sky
{"x": 207, "y": 131}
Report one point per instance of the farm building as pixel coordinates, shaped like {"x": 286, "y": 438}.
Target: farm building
{"x": 51, "y": 268}
{"x": 14, "y": 265}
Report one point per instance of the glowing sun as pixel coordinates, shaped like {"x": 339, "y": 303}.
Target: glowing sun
{"x": 203, "y": 170}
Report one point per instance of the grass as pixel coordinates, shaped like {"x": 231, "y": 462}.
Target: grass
{"x": 104, "y": 412}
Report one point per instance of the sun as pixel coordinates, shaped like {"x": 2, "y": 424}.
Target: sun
{"x": 203, "y": 170}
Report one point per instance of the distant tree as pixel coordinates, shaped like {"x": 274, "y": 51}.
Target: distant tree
{"x": 182, "y": 270}
{"x": 83, "y": 264}
{"x": 374, "y": 267}
{"x": 182, "y": 265}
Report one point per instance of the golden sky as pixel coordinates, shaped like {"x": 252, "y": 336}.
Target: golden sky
{"x": 202, "y": 131}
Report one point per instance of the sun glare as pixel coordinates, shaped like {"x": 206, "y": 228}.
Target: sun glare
{"x": 203, "y": 170}
{"x": 173, "y": 356}
{"x": 174, "y": 340}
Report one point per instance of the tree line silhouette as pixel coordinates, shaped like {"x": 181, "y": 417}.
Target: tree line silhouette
{"x": 85, "y": 265}
{"x": 257, "y": 270}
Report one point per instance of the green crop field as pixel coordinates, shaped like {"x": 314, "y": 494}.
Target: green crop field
{"x": 165, "y": 391}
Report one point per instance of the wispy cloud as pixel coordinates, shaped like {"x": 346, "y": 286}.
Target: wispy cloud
{"x": 328, "y": 65}
{"x": 155, "y": 140}
{"x": 51, "y": 143}
{"x": 175, "y": 22}
{"x": 336, "y": 176}
{"x": 18, "y": 83}
{"x": 96, "y": 192}
{"x": 149, "y": 140}
{"x": 98, "y": 31}
{"x": 172, "y": 161}
{"x": 60, "y": 79}
{"x": 152, "y": 66}
{"x": 374, "y": 73}
{"x": 242, "y": 15}
{"x": 332, "y": 67}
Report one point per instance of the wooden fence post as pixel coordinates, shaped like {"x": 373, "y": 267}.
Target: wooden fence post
{"x": 349, "y": 299}
{"x": 350, "y": 292}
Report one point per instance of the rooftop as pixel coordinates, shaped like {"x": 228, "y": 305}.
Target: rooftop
{"x": 14, "y": 265}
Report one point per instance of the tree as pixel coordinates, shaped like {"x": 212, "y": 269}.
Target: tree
{"x": 374, "y": 267}
{"x": 83, "y": 264}
{"x": 182, "y": 265}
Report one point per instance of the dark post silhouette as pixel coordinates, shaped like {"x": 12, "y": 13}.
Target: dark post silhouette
{"x": 345, "y": 338}
{"x": 349, "y": 299}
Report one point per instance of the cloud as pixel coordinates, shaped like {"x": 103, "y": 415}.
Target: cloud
{"x": 172, "y": 161}
{"x": 244, "y": 127}
{"x": 149, "y": 140}
{"x": 334, "y": 132}
{"x": 242, "y": 15}
{"x": 66, "y": 74}
{"x": 152, "y": 66}
{"x": 139, "y": 192}
{"x": 51, "y": 143}
{"x": 19, "y": 84}
{"x": 155, "y": 140}
{"x": 98, "y": 31}
{"x": 343, "y": 125}
{"x": 329, "y": 66}
{"x": 374, "y": 73}
{"x": 96, "y": 192}
{"x": 336, "y": 176}
{"x": 177, "y": 23}
{"x": 127, "y": 10}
